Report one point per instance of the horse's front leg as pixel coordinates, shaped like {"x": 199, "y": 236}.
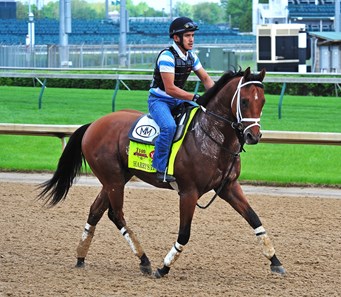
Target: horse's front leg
{"x": 97, "y": 209}
{"x": 187, "y": 207}
{"x": 234, "y": 195}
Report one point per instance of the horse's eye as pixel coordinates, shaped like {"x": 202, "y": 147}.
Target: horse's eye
{"x": 244, "y": 103}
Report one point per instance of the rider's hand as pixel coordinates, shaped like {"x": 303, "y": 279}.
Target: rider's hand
{"x": 198, "y": 99}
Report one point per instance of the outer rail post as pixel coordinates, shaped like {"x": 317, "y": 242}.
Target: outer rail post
{"x": 43, "y": 86}
{"x": 115, "y": 94}
{"x": 196, "y": 87}
{"x": 280, "y": 103}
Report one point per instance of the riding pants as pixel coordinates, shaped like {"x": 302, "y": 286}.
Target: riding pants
{"x": 160, "y": 109}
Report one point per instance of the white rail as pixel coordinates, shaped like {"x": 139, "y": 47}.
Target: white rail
{"x": 284, "y": 137}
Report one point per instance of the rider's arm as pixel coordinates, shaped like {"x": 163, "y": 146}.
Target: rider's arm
{"x": 172, "y": 90}
{"x": 205, "y": 78}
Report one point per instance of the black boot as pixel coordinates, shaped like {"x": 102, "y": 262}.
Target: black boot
{"x": 163, "y": 177}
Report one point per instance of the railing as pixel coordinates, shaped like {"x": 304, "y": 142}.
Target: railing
{"x": 276, "y": 77}
{"x": 53, "y": 73}
{"x": 142, "y": 51}
{"x": 284, "y": 137}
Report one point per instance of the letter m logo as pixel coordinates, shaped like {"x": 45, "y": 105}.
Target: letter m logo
{"x": 146, "y": 131}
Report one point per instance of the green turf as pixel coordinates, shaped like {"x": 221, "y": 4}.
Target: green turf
{"x": 272, "y": 163}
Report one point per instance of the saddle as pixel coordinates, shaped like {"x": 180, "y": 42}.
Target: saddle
{"x": 146, "y": 130}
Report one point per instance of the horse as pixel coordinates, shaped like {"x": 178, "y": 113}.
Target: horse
{"x": 208, "y": 159}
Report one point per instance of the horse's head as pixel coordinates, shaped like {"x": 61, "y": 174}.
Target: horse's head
{"x": 247, "y": 104}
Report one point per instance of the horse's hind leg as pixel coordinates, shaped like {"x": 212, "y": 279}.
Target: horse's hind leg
{"x": 116, "y": 215}
{"x": 97, "y": 209}
{"x": 235, "y": 197}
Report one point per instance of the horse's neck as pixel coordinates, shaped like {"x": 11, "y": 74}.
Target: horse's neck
{"x": 214, "y": 124}
{"x": 218, "y": 117}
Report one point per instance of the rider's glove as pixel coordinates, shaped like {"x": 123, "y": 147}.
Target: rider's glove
{"x": 198, "y": 99}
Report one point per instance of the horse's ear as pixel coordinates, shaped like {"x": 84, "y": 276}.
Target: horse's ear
{"x": 247, "y": 73}
{"x": 262, "y": 74}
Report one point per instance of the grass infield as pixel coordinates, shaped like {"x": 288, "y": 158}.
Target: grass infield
{"x": 262, "y": 163}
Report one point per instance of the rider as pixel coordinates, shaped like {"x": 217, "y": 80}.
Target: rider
{"x": 172, "y": 68}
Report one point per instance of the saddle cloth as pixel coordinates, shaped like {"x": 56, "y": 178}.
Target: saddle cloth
{"x": 144, "y": 133}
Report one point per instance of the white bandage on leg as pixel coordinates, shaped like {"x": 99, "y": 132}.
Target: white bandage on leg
{"x": 265, "y": 242}
{"x": 84, "y": 243}
{"x": 173, "y": 254}
{"x": 259, "y": 231}
{"x": 132, "y": 241}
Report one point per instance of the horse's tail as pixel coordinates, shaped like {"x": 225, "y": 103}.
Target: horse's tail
{"x": 69, "y": 166}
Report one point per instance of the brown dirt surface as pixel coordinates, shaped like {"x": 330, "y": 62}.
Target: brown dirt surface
{"x": 223, "y": 258}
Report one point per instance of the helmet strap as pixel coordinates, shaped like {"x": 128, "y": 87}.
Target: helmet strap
{"x": 181, "y": 42}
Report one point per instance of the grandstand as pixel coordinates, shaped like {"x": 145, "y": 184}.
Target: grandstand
{"x": 14, "y": 32}
{"x": 8, "y": 9}
{"x": 317, "y": 15}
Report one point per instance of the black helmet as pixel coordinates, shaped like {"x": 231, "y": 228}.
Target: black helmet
{"x": 181, "y": 25}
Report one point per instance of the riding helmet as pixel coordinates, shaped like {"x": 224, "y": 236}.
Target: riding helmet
{"x": 182, "y": 25}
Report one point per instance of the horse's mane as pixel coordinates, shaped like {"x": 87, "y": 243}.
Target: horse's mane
{"x": 223, "y": 80}
{"x": 220, "y": 83}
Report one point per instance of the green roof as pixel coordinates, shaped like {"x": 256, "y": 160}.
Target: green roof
{"x": 327, "y": 37}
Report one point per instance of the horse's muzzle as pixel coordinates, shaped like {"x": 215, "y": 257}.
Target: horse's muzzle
{"x": 250, "y": 138}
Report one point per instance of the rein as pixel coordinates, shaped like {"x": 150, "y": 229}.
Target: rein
{"x": 224, "y": 182}
{"x": 238, "y": 127}
{"x": 239, "y": 131}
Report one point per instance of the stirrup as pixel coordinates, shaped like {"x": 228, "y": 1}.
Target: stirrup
{"x": 164, "y": 177}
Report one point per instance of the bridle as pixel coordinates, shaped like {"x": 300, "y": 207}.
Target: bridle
{"x": 238, "y": 124}
{"x": 239, "y": 115}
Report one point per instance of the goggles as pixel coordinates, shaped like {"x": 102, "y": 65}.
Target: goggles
{"x": 191, "y": 25}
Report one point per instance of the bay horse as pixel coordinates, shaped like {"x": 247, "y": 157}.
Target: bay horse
{"x": 208, "y": 159}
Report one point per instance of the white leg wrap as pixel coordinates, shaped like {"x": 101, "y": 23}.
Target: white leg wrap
{"x": 132, "y": 241}
{"x": 84, "y": 243}
{"x": 260, "y": 230}
{"x": 265, "y": 242}
{"x": 173, "y": 254}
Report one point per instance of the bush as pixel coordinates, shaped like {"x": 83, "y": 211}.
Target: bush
{"x": 313, "y": 89}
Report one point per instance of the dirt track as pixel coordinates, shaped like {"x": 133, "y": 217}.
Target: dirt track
{"x": 37, "y": 247}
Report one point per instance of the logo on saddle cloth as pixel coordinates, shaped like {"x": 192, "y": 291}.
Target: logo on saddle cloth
{"x": 143, "y": 135}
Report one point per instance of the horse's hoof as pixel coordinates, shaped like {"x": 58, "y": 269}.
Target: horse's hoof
{"x": 80, "y": 263}
{"x": 161, "y": 272}
{"x": 157, "y": 274}
{"x": 146, "y": 269}
{"x": 277, "y": 269}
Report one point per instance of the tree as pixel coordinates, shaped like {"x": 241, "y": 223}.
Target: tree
{"x": 240, "y": 13}
{"x": 142, "y": 10}
{"x": 183, "y": 9}
{"x": 50, "y": 10}
{"x": 210, "y": 13}
{"x": 22, "y": 11}
{"x": 83, "y": 10}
